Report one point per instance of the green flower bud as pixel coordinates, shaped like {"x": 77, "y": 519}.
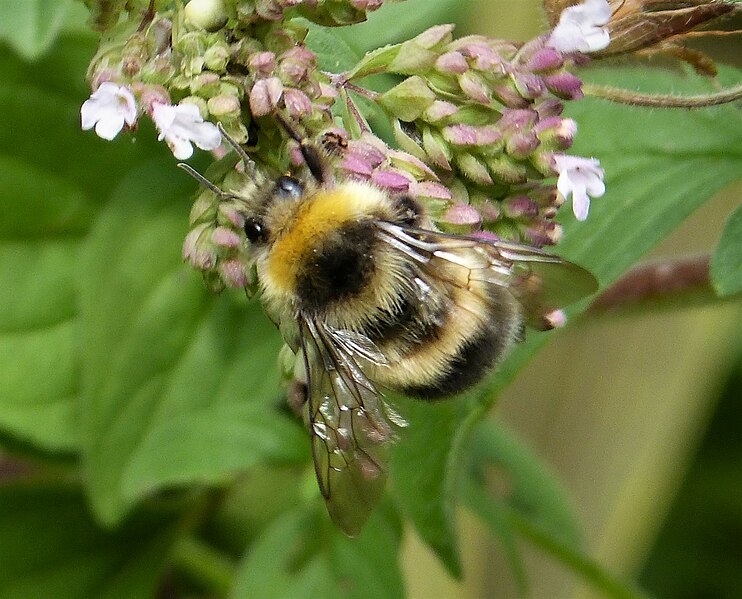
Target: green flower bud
{"x": 216, "y": 57}
{"x": 224, "y": 106}
{"x": 507, "y": 170}
{"x": 473, "y": 168}
{"x": 207, "y": 14}
{"x": 408, "y": 100}
{"x": 436, "y": 148}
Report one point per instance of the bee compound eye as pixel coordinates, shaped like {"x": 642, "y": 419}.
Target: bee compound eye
{"x": 255, "y": 230}
{"x": 288, "y": 187}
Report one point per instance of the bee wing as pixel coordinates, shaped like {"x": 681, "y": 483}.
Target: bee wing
{"x": 544, "y": 282}
{"x": 351, "y": 432}
{"x": 541, "y": 282}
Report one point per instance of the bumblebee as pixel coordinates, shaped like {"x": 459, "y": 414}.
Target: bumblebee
{"x": 373, "y": 298}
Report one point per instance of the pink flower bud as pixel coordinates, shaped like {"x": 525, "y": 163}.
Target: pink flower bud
{"x": 452, "y": 62}
{"x": 508, "y": 95}
{"x": 235, "y": 217}
{"x": 549, "y": 107}
{"x": 411, "y": 164}
{"x": 556, "y": 319}
{"x": 469, "y": 135}
{"x": 486, "y": 236}
{"x": 224, "y": 237}
{"x": 297, "y": 103}
{"x": 295, "y": 155}
{"x": 439, "y": 110}
{"x": 262, "y": 63}
{"x": 543, "y": 232}
{"x": 565, "y": 85}
{"x": 529, "y": 86}
{"x": 224, "y": 105}
{"x": 327, "y": 94}
{"x": 233, "y": 273}
{"x": 433, "y": 36}
{"x": 356, "y": 166}
{"x": 474, "y": 86}
{"x": 265, "y": 95}
{"x": 545, "y": 59}
{"x": 430, "y": 189}
{"x": 520, "y": 207}
{"x": 366, "y": 152}
{"x": 153, "y": 94}
{"x": 522, "y": 144}
{"x": 485, "y": 58}
{"x": 489, "y": 210}
{"x": 391, "y": 180}
{"x": 462, "y": 215}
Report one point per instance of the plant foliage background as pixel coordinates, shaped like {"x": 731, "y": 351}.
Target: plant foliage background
{"x": 147, "y": 448}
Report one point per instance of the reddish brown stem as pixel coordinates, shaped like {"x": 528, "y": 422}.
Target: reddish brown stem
{"x": 654, "y": 281}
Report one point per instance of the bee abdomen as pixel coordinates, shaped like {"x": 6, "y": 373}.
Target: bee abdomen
{"x": 434, "y": 358}
{"x": 465, "y": 367}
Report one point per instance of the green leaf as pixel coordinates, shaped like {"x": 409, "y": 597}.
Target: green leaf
{"x": 423, "y": 480}
{"x": 39, "y": 245}
{"x": 284, "y": 563}
{"x": 333, "y": 53}
{"x": 726, "y": 262}
{"x": 366, "y": 567}
{"x": 396, "y": 22}
{"x": 159, "y": 352}
{"x": 32, "y": 26}
{"x": 587, "y": 568}
{"x": 535, "y": 507}
{"x": 232, "y": 436}
{"x": 50, "y": 196}
{"x": 301, "y": 554}
{"x": 494, "y": 515}
{"x": 50, "y": 547}
{"x": 660, "y": 165}
{"x": 533, "y": 491}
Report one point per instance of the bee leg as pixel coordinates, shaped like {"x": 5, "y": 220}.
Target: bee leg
{"x": 315, "y": 161}
{"x": 297, "y": 396}
{"x": 224, "y": 195}
{"x": 246, "y": 160}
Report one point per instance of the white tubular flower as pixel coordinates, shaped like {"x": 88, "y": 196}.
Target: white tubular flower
{"x": 182, "y": 124}
{"x": 580, "y": 28}
{"x": 580, "y": 177}
{"x": 107, "y": 109}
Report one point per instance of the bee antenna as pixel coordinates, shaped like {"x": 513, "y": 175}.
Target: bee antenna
{"x": 244, "y": 157}
{"x": 205, "y": 182}
{"x": 315, "y": 161}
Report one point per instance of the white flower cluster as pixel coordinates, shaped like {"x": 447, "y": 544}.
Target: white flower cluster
{"x": 112, "y": 106}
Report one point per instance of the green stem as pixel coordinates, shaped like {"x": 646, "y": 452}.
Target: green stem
{"x": 624, "y": 96}
{"x": 590, "y": 571}
{"x": 205, "y": 565}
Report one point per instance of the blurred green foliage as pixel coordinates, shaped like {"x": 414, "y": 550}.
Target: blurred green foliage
{"x": 698, "y": 553}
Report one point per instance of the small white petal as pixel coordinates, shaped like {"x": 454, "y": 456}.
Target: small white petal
{"x": 580, "y": 204}
{"x": 580, "y": 28}
{"x": 109, "y": 128}
{"x": 582, "y": 178}
{"x": 107, "y": 109}
{"x": 182, "y": 125}
{"x": 181, "y": 148}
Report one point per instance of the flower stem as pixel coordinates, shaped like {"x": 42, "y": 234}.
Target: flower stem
{"x": 624, "y": 96}
{"x": 589, "y": 570}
